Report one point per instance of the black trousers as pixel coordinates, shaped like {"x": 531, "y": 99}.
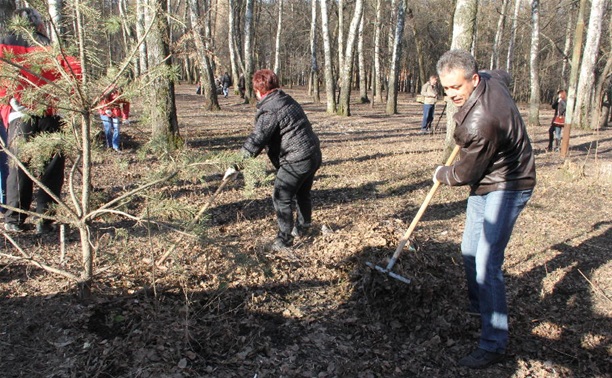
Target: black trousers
{"x": 292, "y": 187}
{"x": 19, "y": 186}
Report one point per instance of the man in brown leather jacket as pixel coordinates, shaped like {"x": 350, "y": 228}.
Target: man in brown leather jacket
{"x": 496, "y": 161}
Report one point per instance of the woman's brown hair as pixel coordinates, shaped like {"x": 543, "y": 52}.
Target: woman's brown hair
{"x": 265, "y": 81}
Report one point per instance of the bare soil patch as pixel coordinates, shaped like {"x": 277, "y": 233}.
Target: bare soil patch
{"x": 225, "y": 307}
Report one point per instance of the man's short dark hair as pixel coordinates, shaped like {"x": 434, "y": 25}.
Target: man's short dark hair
{"x": 457, "y": 59}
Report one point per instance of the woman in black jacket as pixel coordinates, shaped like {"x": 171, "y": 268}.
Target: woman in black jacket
{"x": 281, "y": 127}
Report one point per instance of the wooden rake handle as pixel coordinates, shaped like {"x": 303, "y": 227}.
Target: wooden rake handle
{"x": 424, "y": 206}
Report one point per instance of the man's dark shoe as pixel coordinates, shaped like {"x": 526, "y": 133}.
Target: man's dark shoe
{"x": 13, "y": 227}
{"x": 480, "y": 359}
{"x": 44, "y": 228}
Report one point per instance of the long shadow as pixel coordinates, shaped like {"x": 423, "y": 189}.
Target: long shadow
{"x": 559, "y": 323}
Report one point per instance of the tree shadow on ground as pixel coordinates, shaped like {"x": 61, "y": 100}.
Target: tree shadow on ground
{"x": 555, "y": 312}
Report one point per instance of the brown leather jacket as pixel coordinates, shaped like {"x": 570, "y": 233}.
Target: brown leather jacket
{"x": 495, "y": 150}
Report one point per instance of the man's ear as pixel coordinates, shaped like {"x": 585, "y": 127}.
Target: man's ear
{"x": 475, "y": 79}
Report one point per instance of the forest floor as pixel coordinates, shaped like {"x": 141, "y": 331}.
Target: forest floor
{"x": 226, "y": 307}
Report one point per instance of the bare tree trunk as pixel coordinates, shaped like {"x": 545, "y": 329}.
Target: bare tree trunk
{"x": 248, "y": 51}
{"x": 501, "y": 24}
{"x": 313, "y": 88}
{"x": 573, "y": 80}
{"x": 330, "y": 86}
{"x": 512, "y": 41}
{"x": 277, "y": 65}
{"x": 141, "y": 18}
{"x": 534, "y": 66}
{"x": 395, "y": 57}
{"x": 231, "y": 37}
{"x": 363, "y": 82}
{"x": 599, "y": 118}
{"x": 208, "y": 86}
{"x": 344, "y": 107}
{"x": 378, "y": 79}
{"x": 419, "y": 48}
{"x": 586, "y": 82}
{"x": 566, "y": 47}
{"x": 340, "y": 38}
{"x": 164, "y": 123}
{"x": 55, "y": 12}
{"x": 463, "y": 34}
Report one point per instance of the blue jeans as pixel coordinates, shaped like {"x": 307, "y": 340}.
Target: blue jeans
{"x": 490, "y": 219}
{"x": 111, "y": 131}
{"x": 225, "y": 90}
{"x": 428, "y": 116}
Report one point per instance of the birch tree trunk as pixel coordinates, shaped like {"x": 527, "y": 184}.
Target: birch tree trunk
{"x": 600, "y": 117}
{"x": 566, "y": 47}
{"x": 344, "y": 107}
{"x": 585, "y": 100}
{"x": 363, "y": 82}
{"x": 419, "y": 48}
{"x": 141, "y": 18}
{"x": 378, "y": 79}
{"x": 231, "y": 42}
{"x": 395, "y": 57}
{"x": 573, "y": 80}
{"x": 464, "y": 23}
{"x": 55, "y": 12}
{"x": 501, "y": 24}
{"x": 340, "y": 38}
{"x": 534, "y": 65}
{"x": 277, "y": 66}
{"x": 313, "y": 88}
{"x": 208, "y": 87}
{"x": 330, "y": 86}
{"x": 512, "y": 41}
{"x": 248, "y": 52}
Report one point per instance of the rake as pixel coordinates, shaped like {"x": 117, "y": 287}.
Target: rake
{"x": 408, "y": 233}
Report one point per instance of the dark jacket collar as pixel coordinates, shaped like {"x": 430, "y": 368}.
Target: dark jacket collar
{"x": 469, "y": 104}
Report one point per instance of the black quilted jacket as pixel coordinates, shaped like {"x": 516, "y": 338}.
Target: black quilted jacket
{"x": 282, "y": 127}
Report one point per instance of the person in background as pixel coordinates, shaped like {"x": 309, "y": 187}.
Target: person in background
{"x": 554, "y": 131}
{"x": 429, "y": 91}
{"x": 241, "y": 86}
{"x": 24, "y": 124}
{"x": 226, "y": 82}
{"x": 497, "y": 162}
{"x": 281, "y": 127}
{"x": 114, "y": 110}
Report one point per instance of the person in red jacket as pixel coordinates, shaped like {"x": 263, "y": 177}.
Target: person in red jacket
{"x": 24, "y": 123}
{"x": 114, "y": 109}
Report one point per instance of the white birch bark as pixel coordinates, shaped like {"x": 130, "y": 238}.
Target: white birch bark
{"x": 512, "y": 41}
{"x": 344, "y": 107}
{"x": 534, "y": 65}
{"x": 395, "y": 56}
{"x": 464, "y": 22}
{"x": 248, "y": 51}
{"x": 586, "y": 80}
{"x": 277, "y": 66}
{"x": 378, "y": 79}
{"x": 501, "y": 24}
{"x": 141, "y": 23}
{"x": 313, "y": 88}
{"x": 363, "y": 82}
{"x": 330, "y": 87}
